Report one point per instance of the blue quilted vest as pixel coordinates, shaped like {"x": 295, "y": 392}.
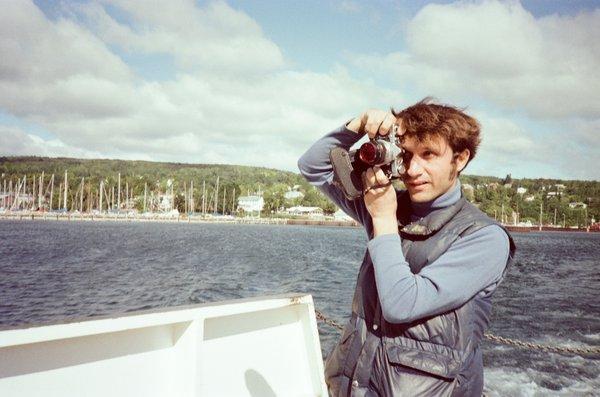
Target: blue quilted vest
{"x": 435, "y": 356}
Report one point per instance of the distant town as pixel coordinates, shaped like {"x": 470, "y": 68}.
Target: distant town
{"x": 42, "y": 187}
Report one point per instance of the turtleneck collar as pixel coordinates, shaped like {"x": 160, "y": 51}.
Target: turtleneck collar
{"x": 420, "y": 210}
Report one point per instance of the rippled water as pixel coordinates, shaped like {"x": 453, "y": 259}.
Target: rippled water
{"x": 53, "y": 271}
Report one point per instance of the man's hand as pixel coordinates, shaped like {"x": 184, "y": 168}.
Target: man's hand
{"x": 380, "y": 200}
{"x": 372, "y": 122}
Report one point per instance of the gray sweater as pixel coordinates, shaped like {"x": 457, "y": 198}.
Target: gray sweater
{"x": 472, "y": 265}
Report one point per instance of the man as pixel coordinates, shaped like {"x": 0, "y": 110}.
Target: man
{"x": 423, "y": 293}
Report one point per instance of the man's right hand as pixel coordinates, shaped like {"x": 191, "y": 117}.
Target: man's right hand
{"x": 372, "y": 122}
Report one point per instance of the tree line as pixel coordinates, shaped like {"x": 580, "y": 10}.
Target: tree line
{"x": 498, "y": 197}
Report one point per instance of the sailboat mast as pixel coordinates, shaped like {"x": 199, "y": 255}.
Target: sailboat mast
{"x": 192, "y": 196}
{"x": 41, "y": 190}
{"x": 66, "y": 190}
{"x": 51, "y": 191}
{"x": 216, "y": 196}
{"x": 81, "y": 195}
{"x": 119, "y": 193}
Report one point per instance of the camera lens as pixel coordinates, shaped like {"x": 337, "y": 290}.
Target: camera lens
{"x": 369, "y": 153}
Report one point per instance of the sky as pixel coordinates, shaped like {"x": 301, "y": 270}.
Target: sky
{"x": 257, "y": 82}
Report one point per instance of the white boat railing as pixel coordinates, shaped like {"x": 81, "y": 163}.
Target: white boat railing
{"x": 267, "y": 346}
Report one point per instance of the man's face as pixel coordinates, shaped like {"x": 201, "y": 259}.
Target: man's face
{"x": 431, "y": 167}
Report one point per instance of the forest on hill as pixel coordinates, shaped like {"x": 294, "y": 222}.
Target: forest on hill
{"x": 576, "y": 203}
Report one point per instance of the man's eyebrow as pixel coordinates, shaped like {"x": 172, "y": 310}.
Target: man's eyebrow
{"x": 431, "y": 147}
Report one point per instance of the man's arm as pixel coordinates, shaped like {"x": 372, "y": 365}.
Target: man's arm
{"x": 316, "y": 167}
{"x": 473, "y": 263}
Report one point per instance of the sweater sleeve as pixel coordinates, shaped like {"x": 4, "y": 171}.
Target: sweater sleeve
{"x": 472, "y": 264}
{"x": 316, "y": 167}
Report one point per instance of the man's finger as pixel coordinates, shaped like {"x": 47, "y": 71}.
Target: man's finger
{"x": 379, "y": 176}
{"x": 374, "y": 180}
{"x": 375, "y": 118}
{"x": 400, "y": 130}
{"x": 386, "y": 124}
{"x": 368, "y": 179}
{"x": 365, "y": 182}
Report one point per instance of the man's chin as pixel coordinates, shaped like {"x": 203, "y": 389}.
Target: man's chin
{"x": 419, "y": 197}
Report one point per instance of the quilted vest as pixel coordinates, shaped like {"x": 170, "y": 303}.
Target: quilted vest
{"x": 434, "y": 356}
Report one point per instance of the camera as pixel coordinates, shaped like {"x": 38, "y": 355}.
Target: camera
{"x": 382, "y": 150}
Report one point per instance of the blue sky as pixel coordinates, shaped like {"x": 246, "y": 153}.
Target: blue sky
{"x": 256, "y": 82}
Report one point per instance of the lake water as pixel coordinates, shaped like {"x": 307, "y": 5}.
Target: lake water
{"x": 53, "y": 271}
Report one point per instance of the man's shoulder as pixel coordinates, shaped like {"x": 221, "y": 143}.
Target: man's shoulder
{"x": 469, "y": 219}
{"x": 472, "y": 211}
{"x": 478, "y": 227}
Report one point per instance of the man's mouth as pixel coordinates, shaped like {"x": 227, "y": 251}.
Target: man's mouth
{"x": 418, "y": 185}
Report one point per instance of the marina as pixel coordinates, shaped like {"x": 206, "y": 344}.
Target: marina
{"x": 179, "y": 218}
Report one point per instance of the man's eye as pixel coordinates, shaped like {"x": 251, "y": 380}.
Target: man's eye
{"x": 427, "y": 153}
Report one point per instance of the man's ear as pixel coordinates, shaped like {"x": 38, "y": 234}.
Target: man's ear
{"x": 462, "y": 159}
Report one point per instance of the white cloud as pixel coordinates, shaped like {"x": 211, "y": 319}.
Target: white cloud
{"x": 498, "y": 52}
{"x": 216, "y": 37}
{"x": 254, "y": 114}
{"x": 496, "y": 55}
{"x": 234, "y": 99}
{"x": 16, "y": 142}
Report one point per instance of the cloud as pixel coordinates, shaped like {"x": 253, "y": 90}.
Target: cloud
{"x": 499, "y": 53}
{"x": 49, "y": 69}
{"x": 16, "y": 142}
{"x": 251, "y": 111}
{"x": 233, "y": 98}
{"x": 557, "y": 150}
{"x": 537, "y": 75}
{"x": 216, "y": 37}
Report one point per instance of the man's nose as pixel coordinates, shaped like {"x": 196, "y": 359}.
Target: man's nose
{"x": 413, "y": 168}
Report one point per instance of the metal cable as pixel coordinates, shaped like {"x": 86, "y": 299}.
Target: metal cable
{"x": 500, "y": 339}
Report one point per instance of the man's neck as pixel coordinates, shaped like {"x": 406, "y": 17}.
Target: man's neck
{"x": 451, "y": 196}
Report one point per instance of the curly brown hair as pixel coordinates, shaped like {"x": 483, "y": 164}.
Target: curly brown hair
{"x": 426, "y": 119}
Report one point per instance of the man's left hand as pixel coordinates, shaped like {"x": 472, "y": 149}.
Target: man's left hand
{"x": 380, "y": 201}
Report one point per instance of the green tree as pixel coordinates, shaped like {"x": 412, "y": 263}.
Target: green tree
{"x": 274, "y": 197}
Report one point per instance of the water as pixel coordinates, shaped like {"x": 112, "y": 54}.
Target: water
{"x": 55, "y": 271}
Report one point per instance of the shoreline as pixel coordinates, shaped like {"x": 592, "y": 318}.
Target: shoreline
{"x": 30, "y": 216}
{"x": 45, "y": 216}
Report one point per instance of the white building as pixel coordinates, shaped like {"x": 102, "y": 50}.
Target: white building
{"x": 529, "y": 198}
{"x": 340, "y": 215}
{"x": 251, "y": 203}
{"x": 521, "y": 190}
{"x": 468, "y": 191}
{"x": 578, "y": 205}
{"x": 301, "y": 210}
{"x": 293, "y": 194}
{"x": 165, "y": 203}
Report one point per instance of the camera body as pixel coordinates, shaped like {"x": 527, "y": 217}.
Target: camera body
{"x": 382, "y": 150}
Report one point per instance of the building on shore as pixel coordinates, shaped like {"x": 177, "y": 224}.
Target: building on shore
{"x": 578, "y": 204}
{"x": 293, "y": 194}
{"x": 340, "y": 215}
{"x": 308, "y": 211}
{"x": 251, "y": 204}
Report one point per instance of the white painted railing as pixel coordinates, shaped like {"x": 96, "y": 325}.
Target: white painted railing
{"x": 267, "y": 346}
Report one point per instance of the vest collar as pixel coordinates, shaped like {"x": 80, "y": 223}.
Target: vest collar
{"x": 438, "y": 213}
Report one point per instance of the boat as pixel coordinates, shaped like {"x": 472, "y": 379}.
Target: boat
{"x": 263, "y": 346}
